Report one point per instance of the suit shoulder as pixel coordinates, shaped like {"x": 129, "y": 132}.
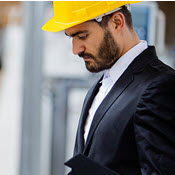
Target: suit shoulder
{"x": 161, "y": 73}
{"x": 160, "y": 86}
{"x": 161, "y": 67}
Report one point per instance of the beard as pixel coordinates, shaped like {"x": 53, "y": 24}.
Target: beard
{"x": 107, "y": 54}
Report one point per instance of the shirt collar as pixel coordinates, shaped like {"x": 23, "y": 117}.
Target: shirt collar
{"x": 124, "y": 61}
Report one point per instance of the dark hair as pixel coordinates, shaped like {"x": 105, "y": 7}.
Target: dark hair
{"x": 125, "y": 12}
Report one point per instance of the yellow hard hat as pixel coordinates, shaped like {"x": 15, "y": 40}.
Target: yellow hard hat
{"x": 70, "y": 13}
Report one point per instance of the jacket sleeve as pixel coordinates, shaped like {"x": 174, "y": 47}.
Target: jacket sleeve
{"x": 154, "y": 125}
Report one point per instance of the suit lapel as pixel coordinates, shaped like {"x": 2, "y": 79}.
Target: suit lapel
{"x": 87, "y": 103}
{"x": 117, "y": 89}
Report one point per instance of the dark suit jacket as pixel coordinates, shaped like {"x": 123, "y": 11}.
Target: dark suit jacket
{"x": 133, "y": 130}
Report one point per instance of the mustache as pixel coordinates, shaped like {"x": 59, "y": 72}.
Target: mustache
{"x": 83, "y": 54}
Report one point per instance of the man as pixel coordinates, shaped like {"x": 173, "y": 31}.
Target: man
{"x": 128, "y": 118}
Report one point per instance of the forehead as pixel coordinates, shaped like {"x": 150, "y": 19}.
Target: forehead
{"x": 86, "y": 26}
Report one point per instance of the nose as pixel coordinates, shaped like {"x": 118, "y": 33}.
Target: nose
{"x": 77, "y": 46}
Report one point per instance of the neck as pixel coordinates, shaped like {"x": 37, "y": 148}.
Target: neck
{"x": 130, "y": 39}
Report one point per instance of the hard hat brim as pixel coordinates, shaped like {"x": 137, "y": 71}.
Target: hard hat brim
{"x": 53, "y": 26}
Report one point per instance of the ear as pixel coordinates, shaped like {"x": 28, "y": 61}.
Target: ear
{"x": 118, "y": 21}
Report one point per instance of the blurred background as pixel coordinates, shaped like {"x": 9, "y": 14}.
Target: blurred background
{"x": 42, "y": 84}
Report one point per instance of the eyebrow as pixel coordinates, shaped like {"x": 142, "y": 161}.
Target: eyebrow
{"x": 77, "y": 33}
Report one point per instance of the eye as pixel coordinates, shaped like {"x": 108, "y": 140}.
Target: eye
{"x": 82, "y": 36}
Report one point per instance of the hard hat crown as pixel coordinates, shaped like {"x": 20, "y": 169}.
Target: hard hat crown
{"x": 70, "y": 13}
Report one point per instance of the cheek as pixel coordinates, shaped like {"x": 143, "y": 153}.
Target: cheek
{"x": 93, "y": 44}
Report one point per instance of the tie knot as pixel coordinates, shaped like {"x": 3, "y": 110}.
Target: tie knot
{"x": 106, "y": 74}
{"x": 106, "y": 82}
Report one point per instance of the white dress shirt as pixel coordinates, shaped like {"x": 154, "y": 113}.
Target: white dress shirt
{"x": 109, "y": 79}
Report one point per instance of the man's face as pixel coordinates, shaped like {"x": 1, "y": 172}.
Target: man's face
{"x": 95, "y": 45}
